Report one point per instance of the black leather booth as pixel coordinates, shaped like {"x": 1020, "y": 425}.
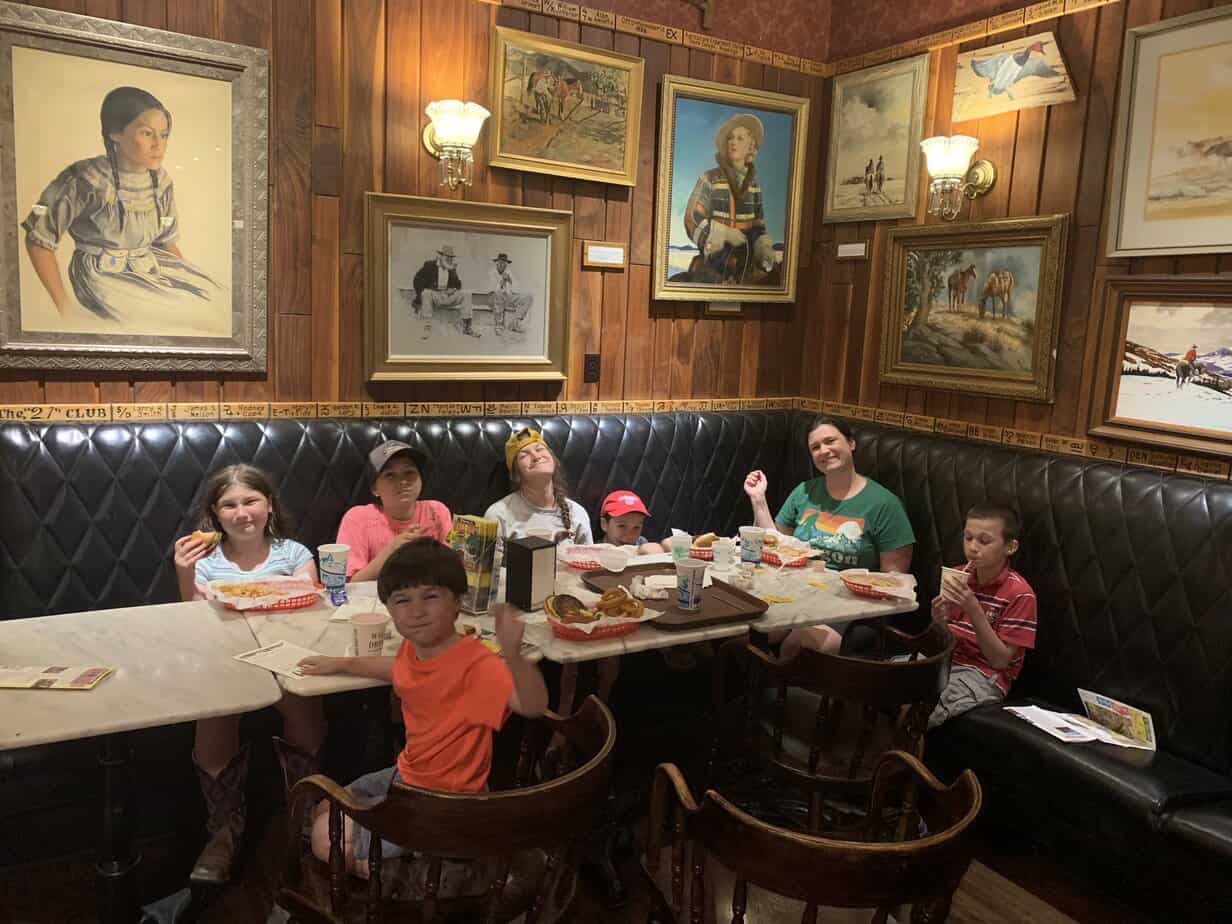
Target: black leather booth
{"x": 1131, "y": 567}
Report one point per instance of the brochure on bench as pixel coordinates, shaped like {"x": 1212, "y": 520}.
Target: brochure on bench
{"x": 52, "y": 677}
{"x": 1107, "y": 720}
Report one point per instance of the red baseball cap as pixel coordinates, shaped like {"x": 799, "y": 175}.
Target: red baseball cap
{"x": 618, "y": 503}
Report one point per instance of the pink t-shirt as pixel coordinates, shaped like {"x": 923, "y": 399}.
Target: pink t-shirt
{"x": 368, "y": 529}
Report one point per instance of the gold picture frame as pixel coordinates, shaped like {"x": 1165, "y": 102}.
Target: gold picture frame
{"x": 552, "y": 116}
{"x": 1141, "y": 395}
{"x": 465, "y": 290}
{"x": 1171, "y": 190}
{"x": 945, "y": 285}
{"x": 700, "y": 254}
{"x": 878, "y": 113}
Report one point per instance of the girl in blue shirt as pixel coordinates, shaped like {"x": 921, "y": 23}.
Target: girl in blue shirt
{"x": 238, "y": 504}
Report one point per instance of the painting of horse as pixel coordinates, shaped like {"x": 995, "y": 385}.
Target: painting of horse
{"x": 975, "y": 305}
{"x": 565, "y": 109}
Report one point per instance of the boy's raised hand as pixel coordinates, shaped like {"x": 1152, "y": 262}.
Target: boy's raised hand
{"x": 509, "y": 629}
{"x": 941, "y": 609}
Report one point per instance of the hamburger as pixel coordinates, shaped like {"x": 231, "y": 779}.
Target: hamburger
{"x": 568, "y": 609}
{"x": 705, "y": 541}
{"x": 770, "y": 540}
{"x": 209, "y": 539}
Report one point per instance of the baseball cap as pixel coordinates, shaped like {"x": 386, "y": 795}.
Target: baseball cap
{"x": 381, "y": 454}
{"x": 618, "y": 503}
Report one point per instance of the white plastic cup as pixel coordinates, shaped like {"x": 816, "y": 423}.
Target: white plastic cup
{"x": 750, "y": 543}
{"x": 368, "y": 630}
{"x": 333, "y": 561}
{"x": 690, "y": 576}
{"x": 680, "y": 543}
{"x": 724, "y": 554}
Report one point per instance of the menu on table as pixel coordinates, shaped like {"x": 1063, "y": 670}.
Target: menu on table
{"x": 52, "y": 677}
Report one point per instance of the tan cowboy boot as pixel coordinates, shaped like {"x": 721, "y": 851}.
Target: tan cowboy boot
{"x": 227, "y": 810}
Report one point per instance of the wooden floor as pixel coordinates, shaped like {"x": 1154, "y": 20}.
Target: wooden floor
{"x": 63, "y": 893}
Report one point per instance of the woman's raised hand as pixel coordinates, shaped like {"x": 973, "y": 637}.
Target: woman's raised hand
{"x": 755, "y": 485}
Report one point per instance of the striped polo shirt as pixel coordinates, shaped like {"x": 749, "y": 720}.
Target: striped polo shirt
{"x": 1009, "y": 603}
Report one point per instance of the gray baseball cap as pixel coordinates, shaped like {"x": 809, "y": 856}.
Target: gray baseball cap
{"x": 379, "y": 457}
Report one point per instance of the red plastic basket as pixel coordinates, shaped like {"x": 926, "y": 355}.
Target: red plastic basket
{"x": 703, "y": 554}
{"x": 290, "y": 603}
{"x": 568, "y": 633}
{"x": 772, "y": 559}
{"x": 583, "y": 564}
{"x": 865, "y": 590}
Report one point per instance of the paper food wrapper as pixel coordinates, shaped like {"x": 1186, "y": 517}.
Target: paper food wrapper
{"x": 244, "y": 595}
{"x": 585, "y": 555}
{"x": 605, "y": 621}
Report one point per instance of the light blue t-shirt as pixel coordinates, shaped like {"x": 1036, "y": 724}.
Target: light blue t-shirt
{"x": 286, "y": 556}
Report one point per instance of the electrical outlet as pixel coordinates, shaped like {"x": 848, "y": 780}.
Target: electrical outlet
{"x": 590, "y": 368}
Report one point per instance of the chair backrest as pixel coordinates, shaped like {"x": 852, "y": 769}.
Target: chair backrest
{"x": 893, "y": 864}
{"x": 843, "y": 711}
{"x": 548, "y": 816}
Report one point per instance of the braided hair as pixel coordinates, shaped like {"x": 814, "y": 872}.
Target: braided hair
{"x": 120, "y": 107}
{"x": 560, "y": 489}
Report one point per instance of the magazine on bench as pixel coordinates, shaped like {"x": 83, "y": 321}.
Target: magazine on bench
{"x": 1107, "y": 720}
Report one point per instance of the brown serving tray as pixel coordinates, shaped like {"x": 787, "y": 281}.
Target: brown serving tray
{"x": 721, "y": 602}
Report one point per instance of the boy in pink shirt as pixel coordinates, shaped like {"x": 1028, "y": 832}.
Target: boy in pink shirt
{"x": 991, "y": 615}
{"x": 396, "y": 516}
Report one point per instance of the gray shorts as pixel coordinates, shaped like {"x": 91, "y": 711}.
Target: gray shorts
{"x": 373, "y": 785}
{"x": 967, "y": 689}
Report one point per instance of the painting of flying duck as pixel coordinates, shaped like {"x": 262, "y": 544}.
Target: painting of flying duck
{"x": 1021, "y": 74}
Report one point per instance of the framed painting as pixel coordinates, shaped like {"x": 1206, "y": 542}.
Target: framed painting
{"x": 876, "y": 123}
{"x": 1019, "y": 74}
{"x": 1166, "y": 377}
{"x": 465, "y": 290}
{"x": 975, "y": 307}
{"x": 730, "y": 189}
{"x": 133, "y": 196}
{"x": 1172, "y": 167}
{"x": 565, "y": 109}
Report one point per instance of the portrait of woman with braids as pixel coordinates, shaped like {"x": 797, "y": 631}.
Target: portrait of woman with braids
{"x": 119, "y": 209}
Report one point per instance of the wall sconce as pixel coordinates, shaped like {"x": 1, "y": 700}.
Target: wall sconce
{"x": 450, "y": 135}
{"x": 948, "y": 160}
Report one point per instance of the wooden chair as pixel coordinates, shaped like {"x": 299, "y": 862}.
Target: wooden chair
{"x": 523, "y": 840}
{"x": 824, "y": 720}
{"x": 723, "y": 864}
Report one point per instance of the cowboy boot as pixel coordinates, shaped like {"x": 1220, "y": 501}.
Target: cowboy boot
{"x": 296, "y": 763}
{"x": 227, "y": 810}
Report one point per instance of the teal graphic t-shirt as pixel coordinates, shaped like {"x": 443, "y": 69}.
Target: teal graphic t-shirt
{"x": 850, "y": 533}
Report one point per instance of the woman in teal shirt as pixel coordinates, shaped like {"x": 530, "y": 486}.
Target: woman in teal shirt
{"x": 854, "y": 521}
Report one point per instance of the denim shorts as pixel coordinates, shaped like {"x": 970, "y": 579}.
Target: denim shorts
{"x": 373, "y": 785}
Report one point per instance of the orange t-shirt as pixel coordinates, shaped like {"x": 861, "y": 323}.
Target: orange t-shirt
{"x": 451, "y": 705}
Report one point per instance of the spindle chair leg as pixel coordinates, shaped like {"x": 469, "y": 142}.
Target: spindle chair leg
{"x": 740, "y": 900}
{"x": 374, "y": 912}
{"x": 337, "y": 862}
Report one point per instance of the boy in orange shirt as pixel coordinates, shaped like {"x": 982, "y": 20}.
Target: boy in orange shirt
{"x": 455, "y": 692}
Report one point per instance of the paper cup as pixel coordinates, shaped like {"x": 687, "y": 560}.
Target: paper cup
{"x": 724, "y": 554}
{"x": 368, "y": 630}
{"x": 680, "y": 543}
{"x": 953, "y": 576}
{"x": 333, "y": 563}
{"x": 750, "y": 543}
{"x": 690, "y": 576}
{"x": 613, "y": 560}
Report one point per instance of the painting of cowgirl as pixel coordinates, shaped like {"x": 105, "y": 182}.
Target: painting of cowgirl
{"x": 119, "y": 210}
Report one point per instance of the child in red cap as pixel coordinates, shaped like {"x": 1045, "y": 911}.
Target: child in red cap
{"x": 621, "y": 517}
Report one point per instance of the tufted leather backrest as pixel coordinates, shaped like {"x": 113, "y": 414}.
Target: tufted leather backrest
{"x": 1131, "y": 566}
{"x": 90, "y": 512}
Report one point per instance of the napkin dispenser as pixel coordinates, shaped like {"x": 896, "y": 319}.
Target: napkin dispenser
{"x": 530, "y": 571}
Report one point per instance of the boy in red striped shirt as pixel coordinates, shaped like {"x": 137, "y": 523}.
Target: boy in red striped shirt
{"x": 991, "y": 615}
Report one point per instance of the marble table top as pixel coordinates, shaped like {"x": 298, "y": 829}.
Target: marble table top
{"x": 815, "y": 598}
{"x": 173, "y": 663}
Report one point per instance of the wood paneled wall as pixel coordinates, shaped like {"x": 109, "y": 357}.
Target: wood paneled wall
{"x": 349, "y": 80}
{"x": 1048, "y": 160}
